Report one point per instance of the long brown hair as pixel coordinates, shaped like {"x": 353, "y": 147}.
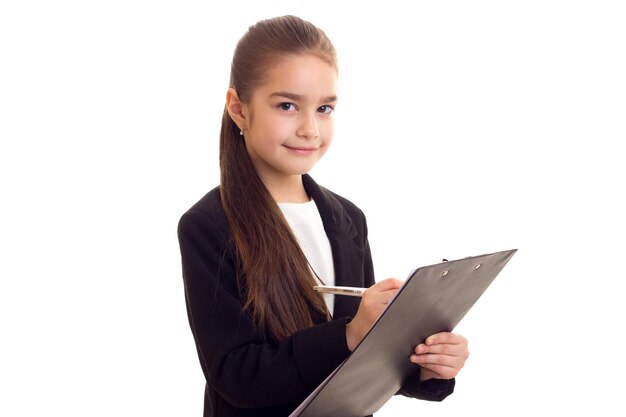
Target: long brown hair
{"x": 274, "y": 273}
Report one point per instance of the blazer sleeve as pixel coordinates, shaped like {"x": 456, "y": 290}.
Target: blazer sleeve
{"x": 430, "y": 390}
{"x": 246, "y": 370}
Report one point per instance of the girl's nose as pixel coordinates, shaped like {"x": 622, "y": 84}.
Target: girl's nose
{"x": 308, "y": 128}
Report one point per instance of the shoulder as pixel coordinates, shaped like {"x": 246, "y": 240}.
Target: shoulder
{"x": 209, "y": 204}
{"x": 206, "y": 215}
{"x": 348, "y": 206}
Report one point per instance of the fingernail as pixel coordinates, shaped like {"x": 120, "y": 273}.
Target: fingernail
{"x": 430, "y": 340}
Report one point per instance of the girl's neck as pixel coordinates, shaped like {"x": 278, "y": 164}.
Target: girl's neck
{"x": 287, "y": 189}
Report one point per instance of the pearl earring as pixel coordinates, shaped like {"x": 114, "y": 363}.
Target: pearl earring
{"x": 241, "y": 133}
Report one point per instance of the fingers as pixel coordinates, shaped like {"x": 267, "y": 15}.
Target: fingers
{"x": 448, "y": 343}
{"x": 376, "y": 298}
{"x": 387, "y": 284}
{"x": 444, "y": 349}
{"x": 444, "y": 366}
{"x": 440, "y": 371}
{"x": 446, "y": 337}
{"x": 436, "y": 359}
{"x": 381, "y": 292}
{"x": 444, "y": 354}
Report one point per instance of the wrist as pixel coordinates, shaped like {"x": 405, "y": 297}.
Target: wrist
{"x": 353, "y": 336}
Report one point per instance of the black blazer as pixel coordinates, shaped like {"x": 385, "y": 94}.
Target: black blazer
{"x": 245, "y": 375}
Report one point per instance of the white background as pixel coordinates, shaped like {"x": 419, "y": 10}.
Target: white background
{"x": 463, "y": 127}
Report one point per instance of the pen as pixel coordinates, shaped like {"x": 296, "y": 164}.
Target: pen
{"x": 351, "y": 291}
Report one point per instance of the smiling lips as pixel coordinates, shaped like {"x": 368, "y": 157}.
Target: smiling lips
{"x": 300, "y": 150}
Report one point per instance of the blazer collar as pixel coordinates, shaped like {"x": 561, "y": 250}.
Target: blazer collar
{"x": 347, "y": 245}
{"x": 334, "y": 216}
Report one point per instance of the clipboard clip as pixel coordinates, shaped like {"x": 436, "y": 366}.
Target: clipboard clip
{"x": 445, "y": 272}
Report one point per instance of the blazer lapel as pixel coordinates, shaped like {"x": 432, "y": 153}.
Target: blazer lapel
{"x": 348, "y": 252}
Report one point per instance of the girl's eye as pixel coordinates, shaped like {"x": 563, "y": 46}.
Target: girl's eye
{"x": 287, "y": 106}
{"x": 326, "y": 109}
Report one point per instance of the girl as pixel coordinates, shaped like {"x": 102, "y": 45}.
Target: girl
{"x": 253, "y": 248}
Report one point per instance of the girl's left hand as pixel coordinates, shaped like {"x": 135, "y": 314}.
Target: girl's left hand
{"x": 442, "y": 356}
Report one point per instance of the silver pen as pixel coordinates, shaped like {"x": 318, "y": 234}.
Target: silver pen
{"x": 350, "y": 291}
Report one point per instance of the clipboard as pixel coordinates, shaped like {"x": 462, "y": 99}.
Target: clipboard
{"x": 433, "y": 299}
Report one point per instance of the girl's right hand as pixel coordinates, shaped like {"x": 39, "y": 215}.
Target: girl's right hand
{"x": 373, "y": 302}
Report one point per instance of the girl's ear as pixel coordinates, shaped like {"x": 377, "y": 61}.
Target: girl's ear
{"x": 235, "y": 108}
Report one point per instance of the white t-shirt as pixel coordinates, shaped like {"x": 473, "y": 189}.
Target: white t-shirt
{"x": 306, "y": 224}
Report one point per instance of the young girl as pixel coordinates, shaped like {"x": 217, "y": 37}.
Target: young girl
{"x": 253, "y": 248}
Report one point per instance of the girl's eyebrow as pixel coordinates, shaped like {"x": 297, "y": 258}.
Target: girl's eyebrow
{"x": 299, "y": 98}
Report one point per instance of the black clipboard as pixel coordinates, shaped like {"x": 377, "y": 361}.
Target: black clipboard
{"x": 433, "y": 299}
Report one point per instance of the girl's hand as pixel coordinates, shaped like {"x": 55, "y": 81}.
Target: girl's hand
{"x": 373, "y": 302}
{"x": 442, "y": 356}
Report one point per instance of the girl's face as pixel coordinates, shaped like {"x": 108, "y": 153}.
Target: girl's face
{"x": 290, "y": 117}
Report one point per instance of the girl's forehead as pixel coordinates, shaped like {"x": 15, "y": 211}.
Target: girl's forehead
{"x": 303, "y": 75}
